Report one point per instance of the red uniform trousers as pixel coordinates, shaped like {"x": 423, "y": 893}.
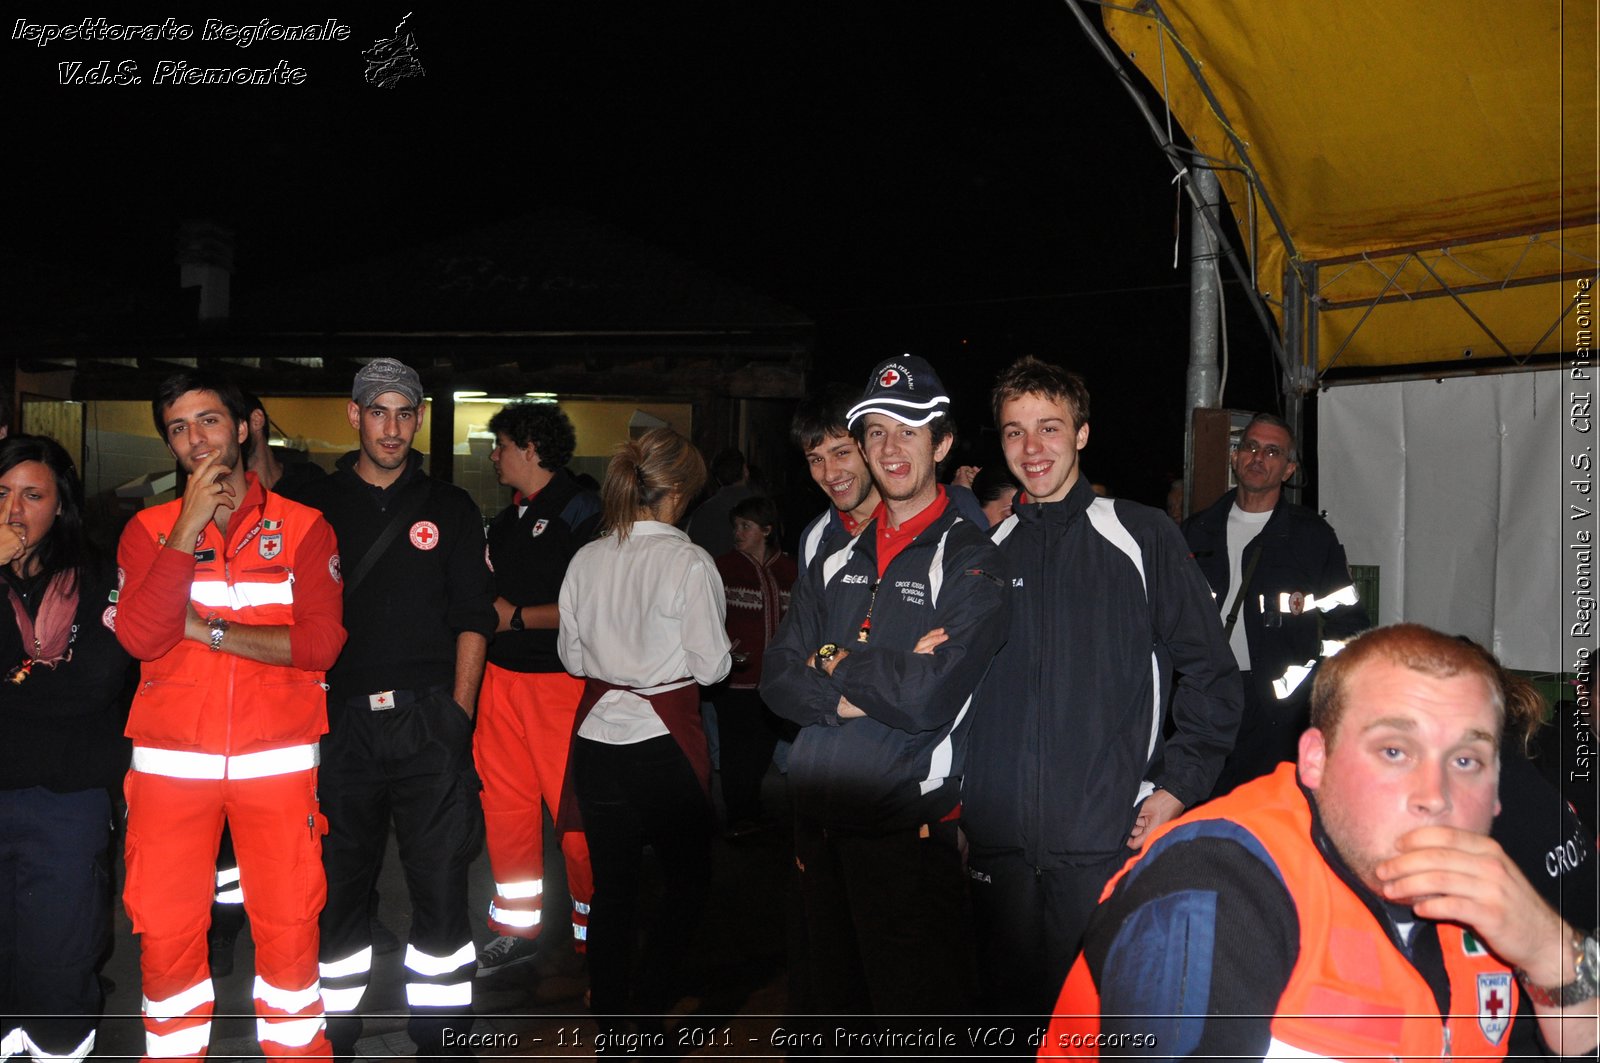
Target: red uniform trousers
{"x": 173, "y": 828}
{"x": 521, "y": 746}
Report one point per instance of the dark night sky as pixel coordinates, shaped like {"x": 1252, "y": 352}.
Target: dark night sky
{"x": 955, "y": 179}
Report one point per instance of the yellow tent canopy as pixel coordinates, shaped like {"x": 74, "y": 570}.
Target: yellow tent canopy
{"x": 1420, "y": 178}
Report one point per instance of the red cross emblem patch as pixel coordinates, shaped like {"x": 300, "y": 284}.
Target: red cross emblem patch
{"x": 889, "y": 378}
{"x": 271, "y": 545}
{"x": 424, "y": 535}
{"x": 109, "y": 617}
{"x": 1494, "y": 1005}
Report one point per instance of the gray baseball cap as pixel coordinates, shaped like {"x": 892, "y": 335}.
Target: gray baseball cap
{"x": 386, "y": 374}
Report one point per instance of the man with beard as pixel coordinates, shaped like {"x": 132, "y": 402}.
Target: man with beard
{"x": 1350, "y": 905}
{"x": 886, "y": 638}
{"x": 229, "y": 596}
{"x": 1283, "y": 589}
{"x": 400, "y": 703}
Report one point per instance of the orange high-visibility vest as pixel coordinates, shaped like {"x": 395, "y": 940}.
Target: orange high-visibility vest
{"x": 1352, "y": 993}
{"x": 278, "y": 563}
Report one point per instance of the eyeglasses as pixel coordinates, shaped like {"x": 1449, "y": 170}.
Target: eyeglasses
{"x": 1252, "y": 448}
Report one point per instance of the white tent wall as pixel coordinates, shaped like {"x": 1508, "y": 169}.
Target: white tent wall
{"x": 1454, "y": 488}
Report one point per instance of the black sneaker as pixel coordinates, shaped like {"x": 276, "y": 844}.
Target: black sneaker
{"x": 504, "y": 953}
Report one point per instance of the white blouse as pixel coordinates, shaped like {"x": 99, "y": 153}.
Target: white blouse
{"x": 645, "y": 612}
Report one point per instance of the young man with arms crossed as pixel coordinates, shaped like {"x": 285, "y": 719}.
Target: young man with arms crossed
{"x": 886, "y": 637}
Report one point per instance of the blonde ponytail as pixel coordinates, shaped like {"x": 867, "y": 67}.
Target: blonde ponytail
{"x": 645, "y": 475}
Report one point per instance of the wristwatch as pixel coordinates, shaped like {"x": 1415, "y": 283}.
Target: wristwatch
{"x": 219, "y": 628}
{"x": 515, "y": 623}
{"x": 825, "y": 654}
{"x": 1585, "y": 981}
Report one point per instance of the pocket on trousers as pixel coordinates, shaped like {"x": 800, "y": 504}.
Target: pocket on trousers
{"x": 472, "y": 802}
{"x": 308, "y": 872}
{"x": 133, "y": 863}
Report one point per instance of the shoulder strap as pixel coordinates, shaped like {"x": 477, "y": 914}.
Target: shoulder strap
{"x": 1238, "y": 599}
{"x": 401, "y": 515}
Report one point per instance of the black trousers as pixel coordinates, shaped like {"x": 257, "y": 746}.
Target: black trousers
{"x": 749, "y": 732}
{"x": 411, "y": 764}
{"x": 1030, "y": 922}
{"x": 55, "y": 913}
{"x": 887, "y": 920}
{"x": 630, "y": 797}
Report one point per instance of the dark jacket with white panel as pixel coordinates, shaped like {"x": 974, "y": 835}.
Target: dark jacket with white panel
{"x": 1080, "y": 718}
{"x": 901, "y": 765}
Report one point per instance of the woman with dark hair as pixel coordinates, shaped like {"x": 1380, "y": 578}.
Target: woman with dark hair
{"x": 61, "y": 748}
{"x": 756, "y": 577}
{"x": 642, "y": 620}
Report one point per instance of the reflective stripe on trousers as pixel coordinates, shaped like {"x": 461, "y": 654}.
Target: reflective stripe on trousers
{"x": 288, "y": 1017}
{"x": 17, "y": 1043}
{"x": 228, "y": 891}
{"x": 440, "y": 981}
{"x": 179, "y": 1025}
{"x": 344, "y": 981}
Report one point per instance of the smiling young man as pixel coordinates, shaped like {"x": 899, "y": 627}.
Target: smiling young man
{"x": 401, "y": 698}
{"x": 1281, "y": 584}
{"x": 1348, "y": 906}
{"x": 837, "y": 467}
{"x": 1072, "y": 760}
{"x": 887, "y": 635}
{"x": 230, "y": 599}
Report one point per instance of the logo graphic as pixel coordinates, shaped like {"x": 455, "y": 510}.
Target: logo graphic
{"x": 424, "y": 535}
{"x": 889, "y": 378}
{"x": 392, "y": 58}
{"x": 333, "y": 568}
{"x": 539, "y": 526}
{"x": 1297, "y": 603}
{"x": 109, "y": 617}
{"x": 271, "y": 545}
{"x": 1494, "y": 1003}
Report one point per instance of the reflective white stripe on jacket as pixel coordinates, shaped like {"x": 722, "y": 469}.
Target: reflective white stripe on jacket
{"x": 180, "y": 764}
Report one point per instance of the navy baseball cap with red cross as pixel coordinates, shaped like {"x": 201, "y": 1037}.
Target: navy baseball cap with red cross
{"x": 905, "y": 388}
